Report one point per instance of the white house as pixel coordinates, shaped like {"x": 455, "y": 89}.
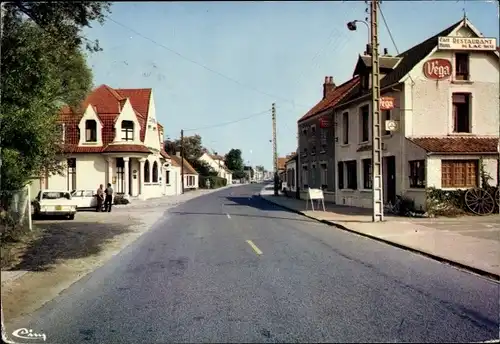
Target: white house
{"x": 114, "y": 139}
{"x": 217, "y": 163}
{"x": 446, "y": 103}
{"x": 191, "y": 177}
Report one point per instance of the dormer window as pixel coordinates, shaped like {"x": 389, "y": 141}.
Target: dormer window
{"x": 462, "y": 66}
{"x": 127, "y": 131}
{"x": 90, "y": 130}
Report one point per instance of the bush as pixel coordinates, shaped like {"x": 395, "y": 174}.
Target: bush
{"x": 450, "y": 202}
{"x": 120, "y": 199}
{"x": 215, "y": 182}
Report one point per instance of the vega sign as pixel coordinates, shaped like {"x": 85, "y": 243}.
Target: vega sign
{"x": 437, "y": 69}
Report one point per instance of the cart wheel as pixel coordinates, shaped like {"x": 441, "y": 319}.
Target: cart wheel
{"x": 479, "y": 201}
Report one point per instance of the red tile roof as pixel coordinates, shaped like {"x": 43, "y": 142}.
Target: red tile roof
{"x": 107, "y": 102}
{"x": 282, "y": 163}
{"x": 119, "y": 148}
{"x": 458, "y": 144}
{"x": 188, "y": 169}
{"x": 332, "y": 99}
{"x": 164, "y": 154}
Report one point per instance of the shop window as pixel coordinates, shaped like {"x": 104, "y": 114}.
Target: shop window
{"x": 367, "y": 173}
{"x": 417, "y": 173}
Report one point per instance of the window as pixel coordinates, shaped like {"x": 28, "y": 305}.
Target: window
{"x": 324, "y": 175}
{"x": 386, "y": 116}
{"x": 120, "y": 175}
{"x": 340, "y": 168}
{"x": 305, "y": 152}
{"x": 304, "y": 131}
{"x": 461, "y": 66}
{"x": 364, "y": 123}
{"x": 461, "y": 112}
{"x": 367, "y": 173}
{"x": 459, "y": 173}
{"x": 323, "y": 139}
{"x": 313, "y": 129}
{"x": 313, "y": 150}
{"x": 146, "y": 171}
{"x": 304, "y": 177}
{"x": 345, "y": 128}
{"x": 155, "y": 172}
{"x": 61, "y": 130}
{"x": 417, "y": 173}
{"x": 71, "y": 176}
{"x": 167, "y": 178}
{"x": 90, "y": 130}
{"x": 127, "y": 131}
{"x": 312, "y": 177}
{"x": 352, "y": 176}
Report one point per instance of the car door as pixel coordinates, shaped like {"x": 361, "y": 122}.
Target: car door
{"x": 77, "y": 197}
{"x": 89, "y": 199}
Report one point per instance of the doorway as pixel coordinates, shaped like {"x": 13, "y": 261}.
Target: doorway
{"x": 390, "y": 178}
{"x": 130, "y": 177}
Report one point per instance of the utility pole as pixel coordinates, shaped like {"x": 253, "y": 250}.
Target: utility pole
{"x": 182, "y": 159}
{"x": 377, "y": 190}
{"x": 275, "y": 151}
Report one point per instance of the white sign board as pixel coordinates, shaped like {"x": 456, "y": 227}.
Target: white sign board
{"x": 391, "y": 125}
{"x": 467, "y": 43}
{"x": 315, "y": 194}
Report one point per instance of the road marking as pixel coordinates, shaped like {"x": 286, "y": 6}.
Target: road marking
{"x": 255, "y": 248}
{"x": 228, "y": 216}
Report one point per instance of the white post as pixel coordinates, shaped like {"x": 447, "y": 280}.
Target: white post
{"x": 141, "y": 177}
{"x": 126, "y": 176}
{"x": 30, "y": 221}
{"x": 110, "y": 170}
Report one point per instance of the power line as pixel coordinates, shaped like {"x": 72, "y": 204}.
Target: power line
{"x": 231, "y": 122}
{"x": 203, "y": 66}
{"x": 388, "y": 30}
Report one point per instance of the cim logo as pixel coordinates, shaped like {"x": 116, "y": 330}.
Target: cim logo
{"x": 437, "y": 69}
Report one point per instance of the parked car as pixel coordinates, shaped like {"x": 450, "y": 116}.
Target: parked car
{"x": 85, "y": 199}
{"x": 54, "y": 202}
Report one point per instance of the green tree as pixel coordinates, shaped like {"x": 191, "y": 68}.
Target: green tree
{"x": 43, "y": 68}
{"x": 193, "y": 148}
{"x": 234, "y": 162}
{"x": 260, "y": 168}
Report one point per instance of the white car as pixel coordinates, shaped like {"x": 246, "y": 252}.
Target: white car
{"x": 84, "y": 199}
{"x": 54, "y": 202}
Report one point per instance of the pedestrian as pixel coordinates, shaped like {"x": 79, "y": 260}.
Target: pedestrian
{"x": 100, "y": 198}
{"x": 109, "y": 198}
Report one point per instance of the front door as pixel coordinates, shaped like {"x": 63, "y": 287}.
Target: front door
{"x": 390, "y": 177}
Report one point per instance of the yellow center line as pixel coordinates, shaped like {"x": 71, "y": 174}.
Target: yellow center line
{"x": 255, "y": 248}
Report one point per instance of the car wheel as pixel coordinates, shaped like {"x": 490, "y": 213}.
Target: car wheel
{"x": 71, "y": 217}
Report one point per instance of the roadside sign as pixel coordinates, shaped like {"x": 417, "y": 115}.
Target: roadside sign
{"x": 386, "y": 103}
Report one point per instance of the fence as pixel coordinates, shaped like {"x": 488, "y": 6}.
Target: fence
{"x": 15, "y": 209}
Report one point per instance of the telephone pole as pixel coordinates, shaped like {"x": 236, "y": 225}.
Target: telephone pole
{"x": 275, "y": 151}
{"x": 182, "y": 160}
{"x": 377, "y": 190}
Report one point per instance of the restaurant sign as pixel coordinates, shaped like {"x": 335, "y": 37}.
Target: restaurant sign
{"x": 467, "y": 43}
{"x": 386, "y": 103}
{"x": 437, "y": 69}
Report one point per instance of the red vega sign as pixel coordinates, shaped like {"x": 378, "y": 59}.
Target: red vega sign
{"x": 437, "y": 69}
{"x": 386, "y": 103}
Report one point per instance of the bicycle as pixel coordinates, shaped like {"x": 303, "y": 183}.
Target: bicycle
{"x": 394, "y": 208}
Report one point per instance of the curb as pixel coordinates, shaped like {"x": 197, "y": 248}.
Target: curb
{"x": 462, "y": 266}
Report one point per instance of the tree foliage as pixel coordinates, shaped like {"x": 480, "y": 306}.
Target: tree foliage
{"x": 260, "y": 168}
{"x": 234, "y": 162}
{"x": 193, "y": 148}
{"x": 43, "y": 68}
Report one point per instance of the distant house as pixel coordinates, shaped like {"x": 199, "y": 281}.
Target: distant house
{"x": 217, "y": 163}
{"x": 191, "y": 177}
{"x": 114, "y": 139}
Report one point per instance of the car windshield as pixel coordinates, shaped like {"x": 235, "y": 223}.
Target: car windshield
{"x": 56, "y": 195}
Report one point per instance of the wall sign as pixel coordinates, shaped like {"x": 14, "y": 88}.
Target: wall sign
{"x": 386, "y": 103}
{"x": 437, "y": 69}
{"x": 467, "y": 43}
{"x": 324, "y": 122}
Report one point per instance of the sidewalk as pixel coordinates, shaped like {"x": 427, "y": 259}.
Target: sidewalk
{"x": 469, "y": 242}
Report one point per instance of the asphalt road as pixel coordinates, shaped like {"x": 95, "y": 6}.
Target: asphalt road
{"x": 195, "y": 278}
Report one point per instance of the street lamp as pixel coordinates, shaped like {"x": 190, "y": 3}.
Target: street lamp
{"x": 351, "y": 26}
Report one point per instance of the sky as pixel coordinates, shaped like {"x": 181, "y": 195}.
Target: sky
{"x": 210, "y": 63}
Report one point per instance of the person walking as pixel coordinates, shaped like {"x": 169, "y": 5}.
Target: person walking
{"x": 100, "y": 198}
{"x": 109, "y": 198}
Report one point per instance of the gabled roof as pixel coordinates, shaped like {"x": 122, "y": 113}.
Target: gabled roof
{"x": 457, "y": 144}
{"x": 332, "y": 99}
{"x": 107, "y": 103}
{"x": 188, "y": 169}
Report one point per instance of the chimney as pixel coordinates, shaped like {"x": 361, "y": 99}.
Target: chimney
{"x": 328, "y": 86}
{"x": 386, "y": 52}
{"x": 368, "y": 51}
